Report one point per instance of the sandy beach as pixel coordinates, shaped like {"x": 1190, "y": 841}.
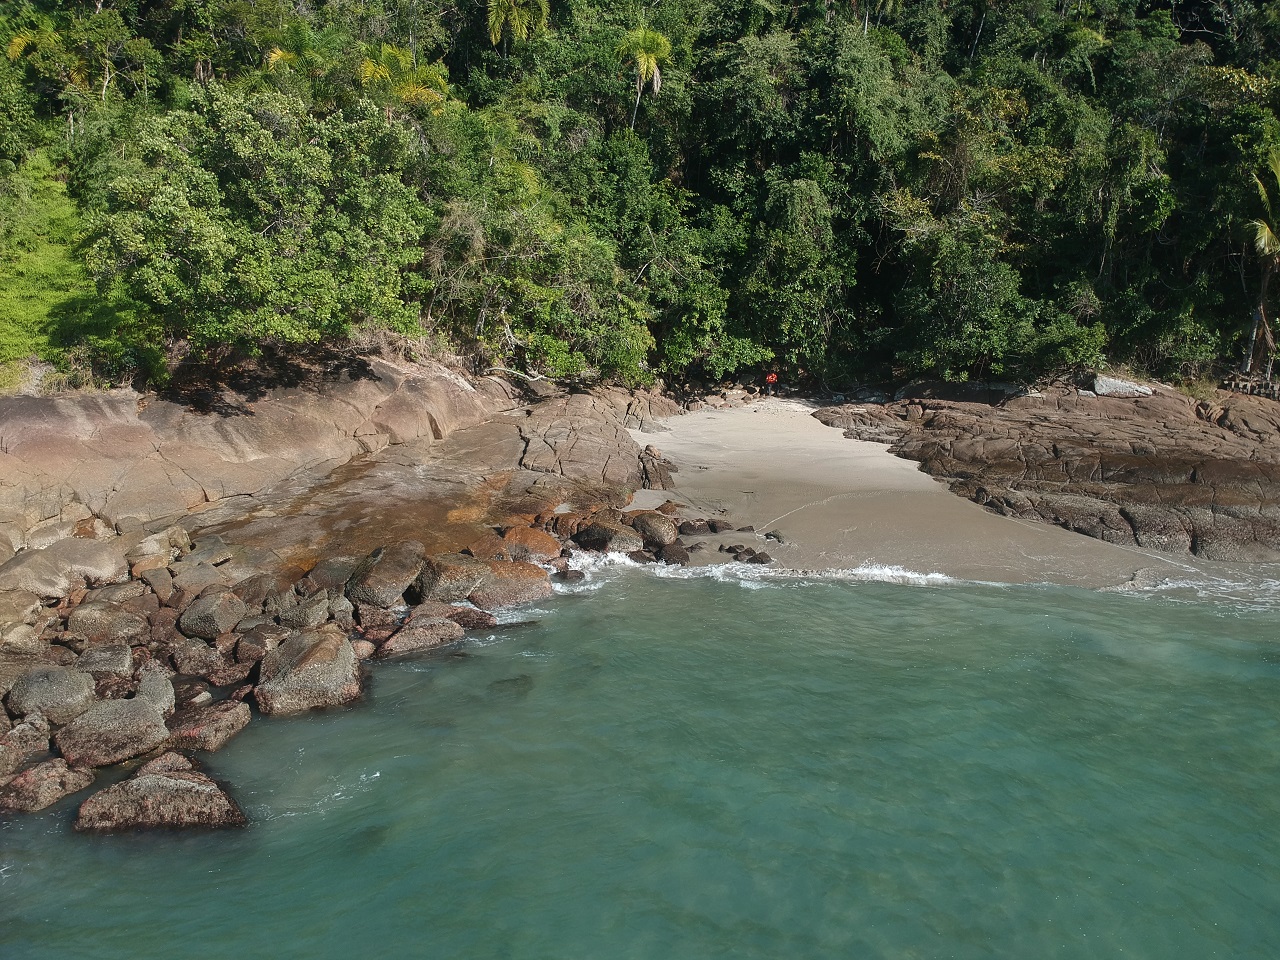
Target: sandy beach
{"x": 847, "y": 505}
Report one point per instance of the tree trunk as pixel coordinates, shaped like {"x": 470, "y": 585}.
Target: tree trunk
{"x": 636, "y": 108}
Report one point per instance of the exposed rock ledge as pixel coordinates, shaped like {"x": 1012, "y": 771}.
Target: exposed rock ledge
{"x": 162, "y": 566}
{"x": 1160, "y": 471}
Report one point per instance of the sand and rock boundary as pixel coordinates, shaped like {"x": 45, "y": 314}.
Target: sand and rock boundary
{"x": 171, "y": 571}
{"x": 1148, "y": 468}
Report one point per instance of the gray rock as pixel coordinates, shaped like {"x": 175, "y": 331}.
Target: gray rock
{"x": 111, "y": 731}
{"x": 657, "y": 529}
{"x": 309, "y": 613}
{"x": 155, "y": 687}
{"x": 102, "y": 622}
{"x": 120, "y": 592}
{"x": 421, "y": 635}
{"x": 168, "y": 792}
{"x": 1105, "y": 386}
{"x": 195, "y": 577}
{"x": 342, "y": 611}
{"x": 54, "y": 571}
{"x": 58, "y": 693}
{"x": 42, "y": 786}
{"x": 212, "y": 614}
{"x": 382, "y": 578}
{"x": 208, "y": 727}
{"x": 18, "y": 608}
{"x": 311, "y": 669}
{"x": 112, "y": 658}
{"x": 29, "y": 737}
{"x": 607, "y": 536}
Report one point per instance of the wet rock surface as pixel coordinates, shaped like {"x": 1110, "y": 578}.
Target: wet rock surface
{"x": 1159, "y": 470}
{"x": 130, "y": 626}
{"x": 168, "y": 792}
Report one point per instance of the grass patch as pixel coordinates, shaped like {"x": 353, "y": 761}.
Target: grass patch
{"x": 49, "y": 305}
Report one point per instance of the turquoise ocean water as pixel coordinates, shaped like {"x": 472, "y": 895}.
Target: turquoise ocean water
{"x": 716, "y": 766}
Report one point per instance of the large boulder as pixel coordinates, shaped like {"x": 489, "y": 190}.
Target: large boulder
{"x": 115, "y": 659}
{"x": 510, "y": 583}
{"x": 422, "y": 634}
{"x": 309, "y": 670}
{"x": 530, "y": 543}
{"x": 212, "y": 614}
{"x": 168, "y": 792}
{"x": 208, "y": 727}
{"x": 382, "y": 577}
{"x": 59, "y": 693}
{"x": 657, "y": 529}
{"x": 42, "y": 786}
{"x": 451, "y": 576}
{"x": 111, "y": 731}
{"x": 102, "y": 622}
{"x": 608, "y": 536}
{"x": 155, "y": 687}
{"x": 56, "y": 570}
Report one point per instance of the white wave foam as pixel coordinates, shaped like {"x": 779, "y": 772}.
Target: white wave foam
{"x": 599, "y": 569}
{"x": 1260, "y": 593}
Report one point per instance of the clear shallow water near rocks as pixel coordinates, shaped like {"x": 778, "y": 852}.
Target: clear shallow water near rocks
{"x": 690, "y": 768}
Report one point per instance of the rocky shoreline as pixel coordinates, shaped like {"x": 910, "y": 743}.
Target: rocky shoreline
{"x": 1128, "y": 463}
{"x": 130, "y": 641}
{"x": 171, "y": 571}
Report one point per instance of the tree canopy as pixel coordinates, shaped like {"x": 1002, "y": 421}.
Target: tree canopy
{"x": 863, "y": 191}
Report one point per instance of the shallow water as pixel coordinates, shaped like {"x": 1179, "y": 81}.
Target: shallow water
{"x": 690, "y": 768}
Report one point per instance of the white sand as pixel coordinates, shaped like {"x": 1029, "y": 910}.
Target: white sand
{"x": 849, "y": 504}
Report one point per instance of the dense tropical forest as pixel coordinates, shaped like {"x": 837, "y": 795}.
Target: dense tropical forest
{"x": 837, "y": 189}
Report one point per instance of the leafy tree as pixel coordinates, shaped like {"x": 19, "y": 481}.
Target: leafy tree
{"x": 254, "y": 222}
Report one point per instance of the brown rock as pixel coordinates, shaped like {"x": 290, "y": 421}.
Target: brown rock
{"x": 208, "y": 727}
{"x": 527, "y": 543}
{"x": 42, "y": 786}
{"x": 451, "y": 576}
{"x": 509, "y": 584}
{"x": 160, "y": 797}
{"x": 382, "y": 578}
{"x": 311, "y": 669}
{"x": 421, "y": 635}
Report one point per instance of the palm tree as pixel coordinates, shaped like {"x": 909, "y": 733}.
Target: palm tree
{"x": 647, "y": 48}
{"x": 1266, "y": 240}
{"x": 518, "y": 19}
{"x": 391, "y": 72}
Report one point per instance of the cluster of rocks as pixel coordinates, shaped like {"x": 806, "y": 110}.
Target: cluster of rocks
{"x": 145, "y": 647}
{"x": 1131, "y": 464}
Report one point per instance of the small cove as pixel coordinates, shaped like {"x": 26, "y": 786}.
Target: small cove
{"x": 706, "y": 768}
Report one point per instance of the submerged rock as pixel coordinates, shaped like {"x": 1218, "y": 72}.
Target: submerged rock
{"x": 421, "y": 634}
{"x": 168, "y": 792}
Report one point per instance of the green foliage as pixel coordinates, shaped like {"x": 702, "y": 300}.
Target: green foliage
{"x": 875, "y": 190}
{"x": 49, "y": 308}
{"x": 255, "y": 221}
